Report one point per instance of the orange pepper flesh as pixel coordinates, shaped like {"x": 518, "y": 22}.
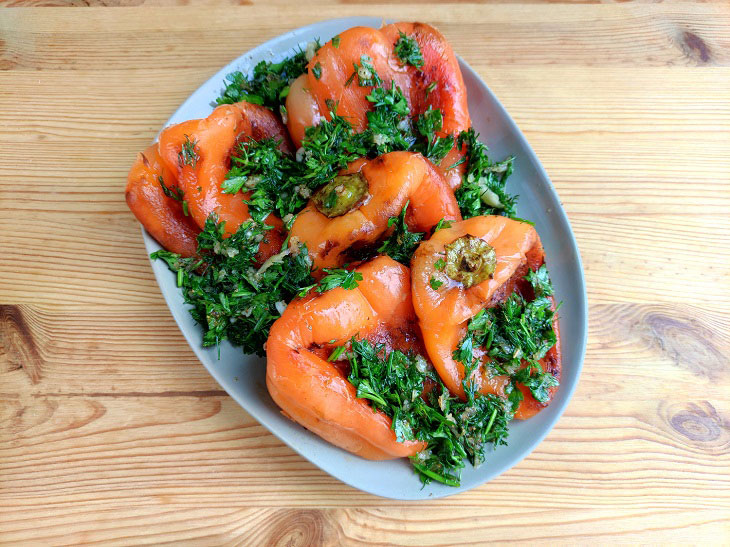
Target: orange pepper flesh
{"x": 161, "y": 216}
{"x": 316, "y": 393}
{"x": 216, "y": 138}
{"x": 444, "y": 313}
{"x": 438, "y": 84}
{"x": 393, "y": 180}
{"x": 440, "y": 67}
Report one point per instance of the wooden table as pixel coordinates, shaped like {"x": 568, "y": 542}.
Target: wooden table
{"x": 110, "y": 429}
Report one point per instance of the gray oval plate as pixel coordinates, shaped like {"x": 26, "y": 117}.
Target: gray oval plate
{"x": 243, "y": 376}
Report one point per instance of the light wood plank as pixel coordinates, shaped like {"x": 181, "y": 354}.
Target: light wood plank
{"x": 623, "y": 35}
{"x": 77, "y": 450}
{"x": 172, "y": 524}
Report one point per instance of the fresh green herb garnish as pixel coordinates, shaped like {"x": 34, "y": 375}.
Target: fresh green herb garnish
{"x": 269, "y": 83}
{"x": 328, "y": 147}
{"x": 401, "y": 244}
{"x": 174, "y": 192}
{"x": 338, "y": 277}
{"x": 336, "y": 353}
{"x": 428, "y": 124}
{"x": 537, "y": 381}
{"x": 366, "y": 74}
{"x": 454, "y": 430}
{"x": 482, "y": 191}
{"x": 408, "y": 51}
{"x": 442, "y": 224}
{"x": 389, "y": 127}
{"x": 251, "y": 162}
{"x": 336, "y": 41}
{"x": 392, "y": 98}
{"x": 271, "y": 176}
{"x": 439, "y": 264}
{"x": 540, "y": 281}
{"x": 230, "y": 297}
{"x": 188, "y": 154}
{"x": 517, "y": 333}
{"x": 317, "y": 70}
{"x": 435, "y": 283}
{"x": 331, "y": 145}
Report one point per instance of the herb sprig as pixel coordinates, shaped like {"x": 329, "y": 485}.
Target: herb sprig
{"x": 338, "y": 277}
{"x": 434, "y": 148}
{"x": 482, "y": 191}
{"x": 176, "y": 193}
{"x": 188, "y": 154}
{"x": 408, "y": 51}
{"x": 402, "y": 243}
{"x": 268, "y": 84}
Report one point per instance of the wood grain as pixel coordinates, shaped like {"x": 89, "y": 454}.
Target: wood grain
{"x": 112, "y": 432}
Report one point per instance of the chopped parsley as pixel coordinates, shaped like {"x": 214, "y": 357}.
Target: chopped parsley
{"x": 317, "y": 70}
{"x": 332, "y": 144}
{"x": 540, "y": 281}
{"x": 338, "y": 277}
{"x": 442, "y": 224}
{"x": 402, "y": 243}
{"x": 174, "y": 192}
{"x": 515, "y": 336}
{"x": 188, "y": 154}
{"x": 482, "y": 191}
{"x": 454, "y": 430}
{"x": 336, "y": 41}
{"x": 408, "y": 51}
{"x": 389, "y": 126}
{"x": 366, "y": 74}
{"x": 328, "y": 147}
{"x": 269, "y": 83}
{"x": 435, "y": 283}
{"x": 251, "y": 163}
{"x": 231, "y": 298}
{"x": 272, "y": 177}
{"x": 428, "y": 124}
{"x": 537, "y": 381}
